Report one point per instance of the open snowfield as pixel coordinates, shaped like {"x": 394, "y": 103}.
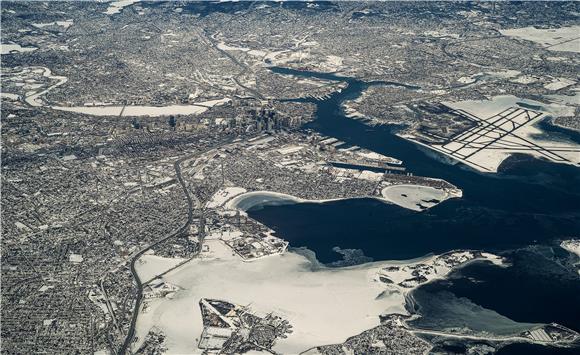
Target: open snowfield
{"x": 8, "y": 48}
{"x": 149, "y": 266}
{"x": 116, "y": 7}
{"x": 487, "y": 108}
{"x": 35, "y": 98}
{"x": 411, "y": 196}
{"x": 136, "y": 110}
{"x": 9, "y": 96}
{"x": 193, "y": 109}
{"x": 507, "y": 125}
{"x": 563, "y": 39}
{"x": 391, "y": 194}
{"x": 434, "y": 267}
{"x": 573, "y": 246}
{"x": 65, "y": 24}
{"x": 223, "y": 195}
{"x": 264, "y": 198}
{"x": 559, "y": 83}
{"x": 314, "y": 300}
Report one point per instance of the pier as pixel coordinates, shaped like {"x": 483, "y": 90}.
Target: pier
{"x": 372, "y": 165}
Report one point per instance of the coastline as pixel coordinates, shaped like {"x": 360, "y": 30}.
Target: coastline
{"x": 572, "y": 246}
{"x": 266, "y": 198}
{"x": 360, "y": 297}
{"x": 275, "y": 284}
{"x": 269, "y": 198}
{"x": 272, "y": 284}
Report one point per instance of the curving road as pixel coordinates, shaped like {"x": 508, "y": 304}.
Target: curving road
{"x": 192, "y": 202}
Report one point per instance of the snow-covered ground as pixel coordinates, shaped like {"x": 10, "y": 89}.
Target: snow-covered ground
{"x": 376, "y": 156}
{"x": 149, "y": 265}
{"x": 391, "y": 194}
{"x": 262, "y": 54}
{"x": 410, "y": 275}
{"x": 192, "y": 109}
{"x": 481, "y": 76}
{"x": 212, "y": 103}
{"x": 572, "y": 100}
{"x": 413, "y": 196}
{"x": 225, "y": 47}
{"x": 248, "y": 200}
{"x": 224, "y": 195}
{"x": 563, "y": 39}
{"x": 487, "y": 150}
{"x": 333, "y": 63}
{"x": 10, "y": 96}
{"x": 34, "y": 99}
{"x": 7, "y": 48}
{"x": 66, "y": 24}
{"x": 559, "y": 83}
{"x": 312, "y": 298}
{"x": 573, "y": 246}
{"x": 290, "y": 149}
{"x": 313, "y": 301}
{"x": 116, "y": 7}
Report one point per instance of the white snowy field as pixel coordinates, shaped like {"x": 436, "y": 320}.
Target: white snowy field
{"x": 324, "y": 305}
{"x": 8, "y": 48}
{"x": 251, "y": 199}
{"x": 34, "y": 98}
{"x": 9, "y": 96}
{"x": 135, "y": 110}
{"x": 149, "y": 265}
{"x": 411, "y": 196}
{"x": 153, "y": 111}
{"x": 65, "y": 24}
{"x": 572, "y": 245}
{"x": 434, "y": 267}
{"x": 487, "y": 152}
{"x": 116, "y": 7}
{"x": 415, "y": 193}
{"x": 563, "y": 39}
{"x": 223, "y": 195}
{"x": 495, "y": 104}
{"x": 559, "y": 83}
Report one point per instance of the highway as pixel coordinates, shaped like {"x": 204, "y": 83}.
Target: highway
{"x": 192, "y": 202}
{"x": 211, "y": 41}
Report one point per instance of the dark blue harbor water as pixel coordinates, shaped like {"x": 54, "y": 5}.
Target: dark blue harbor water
{"x": 532, "y": 201}
{"x": 206, "y": 8}
{"x": 387, "y": 232}
{"x": 529, "y": 203}
{"x": 536, "y": 288}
